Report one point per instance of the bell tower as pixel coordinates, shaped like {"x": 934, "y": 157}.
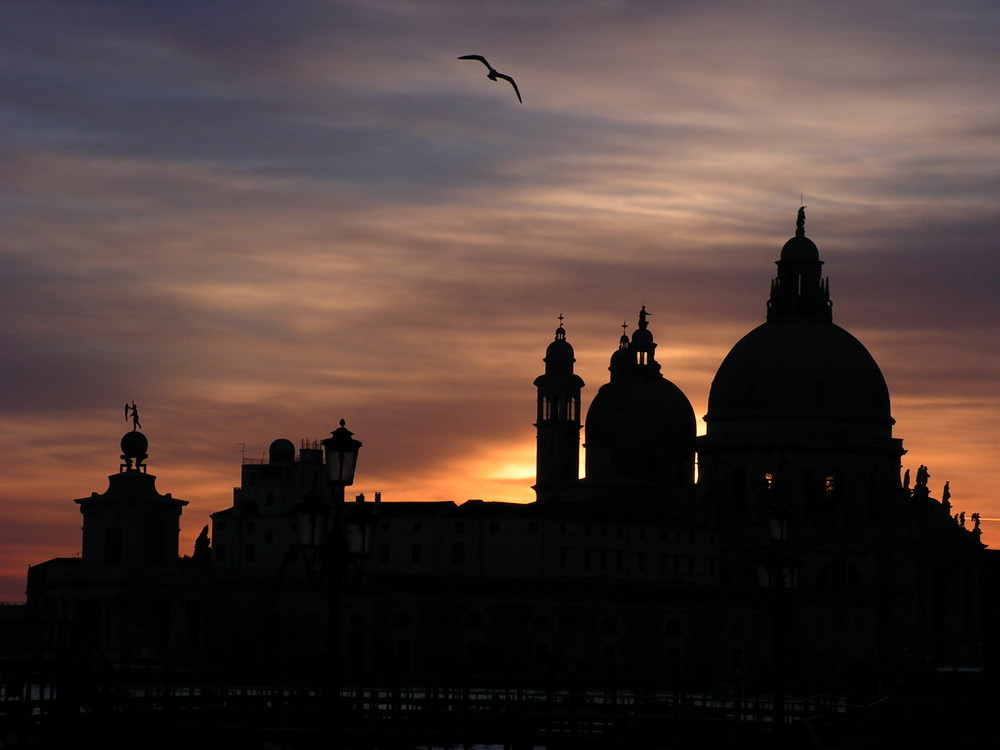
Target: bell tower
{"x": 558, "y": 420}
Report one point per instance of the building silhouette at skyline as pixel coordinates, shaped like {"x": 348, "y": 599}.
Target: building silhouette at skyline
{"x": 639, "y": 577}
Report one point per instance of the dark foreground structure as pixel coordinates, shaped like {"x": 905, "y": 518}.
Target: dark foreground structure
{"x": 798, "y": 591}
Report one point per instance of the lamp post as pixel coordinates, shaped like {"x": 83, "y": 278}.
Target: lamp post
{"x": 778, "y": 572}
{"x": 322, "y": 528}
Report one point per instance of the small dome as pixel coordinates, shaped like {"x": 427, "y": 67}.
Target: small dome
{"x": 800, "y": 248}
{"x": 560, "y": 348}
{"x": 282, "y": 451}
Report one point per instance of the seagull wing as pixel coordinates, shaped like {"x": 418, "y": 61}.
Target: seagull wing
{"x": 477, "y": 57}
{"x": 508, "y": 78}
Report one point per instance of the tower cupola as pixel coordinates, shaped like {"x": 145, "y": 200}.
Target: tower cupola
{"x": 800, "y": 292}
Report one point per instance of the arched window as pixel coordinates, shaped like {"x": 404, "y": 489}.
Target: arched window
{"x": 458, "y": 553}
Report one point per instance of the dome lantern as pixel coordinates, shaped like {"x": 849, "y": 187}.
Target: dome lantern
{"x": 799, "y": 292}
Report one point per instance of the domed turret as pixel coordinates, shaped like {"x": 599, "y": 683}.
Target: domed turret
{"x": 640, "y": 426}
{"x": 799, "y": 404}
{"x": 281, "y": 451}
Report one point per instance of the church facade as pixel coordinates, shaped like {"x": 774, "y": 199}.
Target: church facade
{"x": 797, "y": 558}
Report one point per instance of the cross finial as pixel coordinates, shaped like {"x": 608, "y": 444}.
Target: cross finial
{"x": 561, "y": 319}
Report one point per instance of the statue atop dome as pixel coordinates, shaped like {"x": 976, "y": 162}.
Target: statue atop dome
{"x": 131, "y": 410}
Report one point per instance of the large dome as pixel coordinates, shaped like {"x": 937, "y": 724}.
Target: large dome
{"x": 799, "y": 368}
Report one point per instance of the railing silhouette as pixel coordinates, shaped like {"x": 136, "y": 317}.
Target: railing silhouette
{"x": 425, "y": 714}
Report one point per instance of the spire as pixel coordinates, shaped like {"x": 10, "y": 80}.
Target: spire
{"x": 800, "y": 292}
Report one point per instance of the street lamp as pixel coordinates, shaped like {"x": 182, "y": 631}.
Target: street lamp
{"x": 323, "y": 528}
{"x": 341, "y": 459}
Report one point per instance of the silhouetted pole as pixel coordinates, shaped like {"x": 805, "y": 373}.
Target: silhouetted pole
{"x": 337, "y": 574}
{"x": 341, "y": 451}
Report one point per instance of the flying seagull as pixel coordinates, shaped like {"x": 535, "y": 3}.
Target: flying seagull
{"x": 493, "y": 74}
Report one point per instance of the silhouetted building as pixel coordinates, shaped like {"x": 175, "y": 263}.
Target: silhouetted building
{"x": 634, "y": 577}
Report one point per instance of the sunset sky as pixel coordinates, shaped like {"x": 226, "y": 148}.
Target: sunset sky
{"x": 255, "y": 218}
